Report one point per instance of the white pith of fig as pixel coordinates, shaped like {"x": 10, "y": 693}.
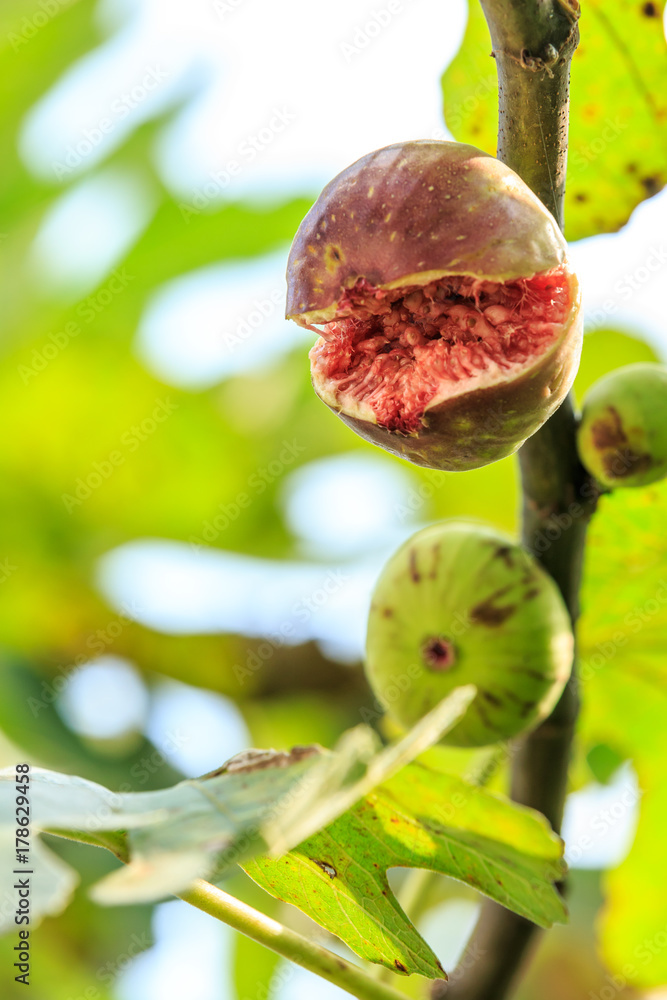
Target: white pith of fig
{"x": 450, "y": 320}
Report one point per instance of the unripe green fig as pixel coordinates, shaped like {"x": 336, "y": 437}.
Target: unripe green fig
{"x": 460, "y": 603}
{"x": 450, "y": 320}
{"x": 622, "y": 436}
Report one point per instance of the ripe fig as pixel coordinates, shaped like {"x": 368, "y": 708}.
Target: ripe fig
{"x": 622, "y": 436}
{"x": 450, "y": 320}
{"x": 460, "y": 603}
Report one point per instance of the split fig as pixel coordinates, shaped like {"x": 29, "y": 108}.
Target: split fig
{"x": 460, "y": 603}
{"x": 622, "y": 436}
{"x": 450, "y": 320}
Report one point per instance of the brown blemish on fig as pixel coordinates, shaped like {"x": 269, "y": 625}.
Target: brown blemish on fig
{"x": 608, "y": 431}
{"x": 618, "y": 460}
{"x": 627, "y": 463}
{"x": 415, "y": 575}
{"x": 529, "y": 672}
{"x": 491, "y": 698}
{"x": 333, "y": 257}
{"x": 436, "y": 560}
{"x": 532, "y": 594}
{"x": 387, "y": 612}
{"x": 481, "y": 711}
{"x": 525, "y": 706}
{"x": 489, "y": 614}
{"x": 438, "y": 654}
{"x": 650, "y": 10}
{"x": 505, "y": 553}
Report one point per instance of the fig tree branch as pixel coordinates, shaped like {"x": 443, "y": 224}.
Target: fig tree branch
{"x": 533, "y": 43}
{"x": 287, "y": 943}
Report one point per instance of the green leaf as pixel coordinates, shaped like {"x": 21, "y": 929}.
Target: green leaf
{"x": 618, "y": 121}
{"x": 624, "y": 689}
{"x": 258, "y": 801}
{"x": 420, "y": 818}
{"x": 312, "y": 812}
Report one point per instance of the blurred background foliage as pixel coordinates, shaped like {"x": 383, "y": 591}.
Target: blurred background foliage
{"x": 186, "y": 553}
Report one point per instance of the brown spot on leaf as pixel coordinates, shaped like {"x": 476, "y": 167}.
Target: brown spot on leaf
{"x": 400, "y": 966}
{"x": 327, "y": 868}
{"x": 260, "y": 760}
{"x": 652, "y": 184}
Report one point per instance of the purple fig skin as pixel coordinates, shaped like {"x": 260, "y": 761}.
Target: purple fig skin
{"x": 410, "y": 214}
{"x": 418, "y": 207}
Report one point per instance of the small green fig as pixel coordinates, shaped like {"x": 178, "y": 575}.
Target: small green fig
{"x": 450, "y": 320}
{"x": 460, "y": 603}
{"x": 622, "y": 436}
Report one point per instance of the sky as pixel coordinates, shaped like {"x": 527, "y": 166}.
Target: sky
{"x": 263, "y": 121}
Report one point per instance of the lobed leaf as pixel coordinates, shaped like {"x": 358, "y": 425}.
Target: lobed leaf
{"x": 420, "y": 818}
